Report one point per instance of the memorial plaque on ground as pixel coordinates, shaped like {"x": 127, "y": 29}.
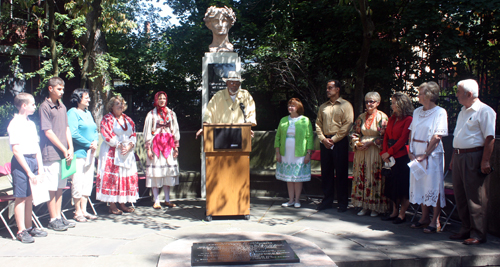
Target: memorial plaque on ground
{"x": 242, "y": 253}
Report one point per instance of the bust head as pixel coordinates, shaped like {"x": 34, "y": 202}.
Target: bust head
{"x": 219, "y": 20}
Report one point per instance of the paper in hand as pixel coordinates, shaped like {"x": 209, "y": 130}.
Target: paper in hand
{"x": 90, "y": 157}
{"x": 40, "y": 190}
{"x": 417, "y": 169}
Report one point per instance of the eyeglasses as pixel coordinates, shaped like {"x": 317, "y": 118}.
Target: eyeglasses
{"x": 370, "y": 101}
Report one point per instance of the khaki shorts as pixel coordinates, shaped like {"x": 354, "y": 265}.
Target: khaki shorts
{"x": 53, "y": 175}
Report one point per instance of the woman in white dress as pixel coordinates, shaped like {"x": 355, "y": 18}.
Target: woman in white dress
{"x": 429, "y": 125}
{"x": 161, "y": 136}
{"x": 293, "y": 144}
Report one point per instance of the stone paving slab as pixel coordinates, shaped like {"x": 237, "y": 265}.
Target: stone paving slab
{"x": 137, "y": 239}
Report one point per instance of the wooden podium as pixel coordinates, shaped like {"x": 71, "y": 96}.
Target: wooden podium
{"x": 227, "y": 162}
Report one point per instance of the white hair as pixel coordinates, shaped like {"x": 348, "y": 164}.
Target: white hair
{"x": 374, "y": 95}
{"x": 470, "y": 85}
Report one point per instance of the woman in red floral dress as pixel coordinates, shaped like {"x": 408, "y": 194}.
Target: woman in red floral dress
{"x": 117, "y": 178}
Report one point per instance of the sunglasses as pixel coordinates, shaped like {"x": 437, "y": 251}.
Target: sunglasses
{"x": 370, "y": 101}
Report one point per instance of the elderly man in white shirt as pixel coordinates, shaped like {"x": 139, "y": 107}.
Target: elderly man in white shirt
{"x": 473, "y": 142}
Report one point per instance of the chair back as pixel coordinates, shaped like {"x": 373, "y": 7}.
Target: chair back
{"x": 5, "y": 170}
{"x": 316, "y": 155}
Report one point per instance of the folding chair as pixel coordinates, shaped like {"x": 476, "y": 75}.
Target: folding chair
{"x": 7, "y": 199}
{"x": 68, "y": 187}
{"x": 142, "y": 176}
{"x": 316, "y": 156}
{"x": 449, "y": 196}
{"x": 68, "y": 202}
{"x": 449, "y": 193}
{"x": 450, "y": 199}
{"x": 6, "y": 171}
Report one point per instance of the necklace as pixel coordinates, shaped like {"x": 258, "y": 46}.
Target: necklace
{"x": 163, "y": 114}
{"x": 369, "y": 120}
{"x": 125, "y": 128}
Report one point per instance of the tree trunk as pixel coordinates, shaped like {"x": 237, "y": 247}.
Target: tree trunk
{"x": 368, "y": 28}
{"x": 88, "y": 40}
{"x": 98, "y": 93}
{"x": 52, "y": 37}
{"x": 94, "y": 44}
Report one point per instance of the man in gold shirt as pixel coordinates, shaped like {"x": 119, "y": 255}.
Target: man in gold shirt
{"x": 234, "y": 105}
{"x": 334, "y": 121}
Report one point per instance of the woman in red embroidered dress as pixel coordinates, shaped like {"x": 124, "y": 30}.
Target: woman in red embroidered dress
{"x": 117, "y": 179}
{"x": 161, "y": 137}
{"x": 366, "y": 141}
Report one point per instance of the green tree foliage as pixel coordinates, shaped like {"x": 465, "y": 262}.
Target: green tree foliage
{"x": 70, "y": 36}
{"x": 289, "y": 48}
{"x": 161, "y": 57}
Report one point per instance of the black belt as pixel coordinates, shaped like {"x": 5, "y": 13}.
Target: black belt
{"x": 30, "y": 156}
{"x": 329, "y": 136}
{"x": 392, "y": 142}
{"x": 467, "y": 150}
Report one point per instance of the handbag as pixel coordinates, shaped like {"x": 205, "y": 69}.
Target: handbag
{"x": 386, "y": 172}
{"x": 387, "y": 168}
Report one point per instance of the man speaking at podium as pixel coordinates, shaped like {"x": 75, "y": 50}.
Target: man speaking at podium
{"x": 234, "y": 105}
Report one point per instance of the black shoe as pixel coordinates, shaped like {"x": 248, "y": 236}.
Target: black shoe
{"x": 399, "y": 220}
{"x": 324, "y": 206}
{"x": 57, "y": 225}
{"x": 388, "y": 218}
{"x": 36, "y": 232}
{"x": 341, "y": 209}
{"x": 24, "y": 237}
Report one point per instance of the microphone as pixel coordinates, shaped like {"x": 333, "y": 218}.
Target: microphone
{"x": 243, "y": 110}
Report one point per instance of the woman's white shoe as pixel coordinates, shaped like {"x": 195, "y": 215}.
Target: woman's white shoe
{"x": 297, "y": 204}
{"x": 362, "y": 212}
{"x": 374, "y": 213}
{"x": 287, "y": 204}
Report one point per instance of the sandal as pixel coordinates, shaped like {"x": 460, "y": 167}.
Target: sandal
{"x": 115, "y": 212}
{"x": 432, "y": 230}
{"x": 419, "y": 225}
{"x": 90, "y": 216}
{"x": 80, "y": 218}
{"x": 127, "y": 209}
{"x": 156, "y": 206}
{"x": 170, "y": 204}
